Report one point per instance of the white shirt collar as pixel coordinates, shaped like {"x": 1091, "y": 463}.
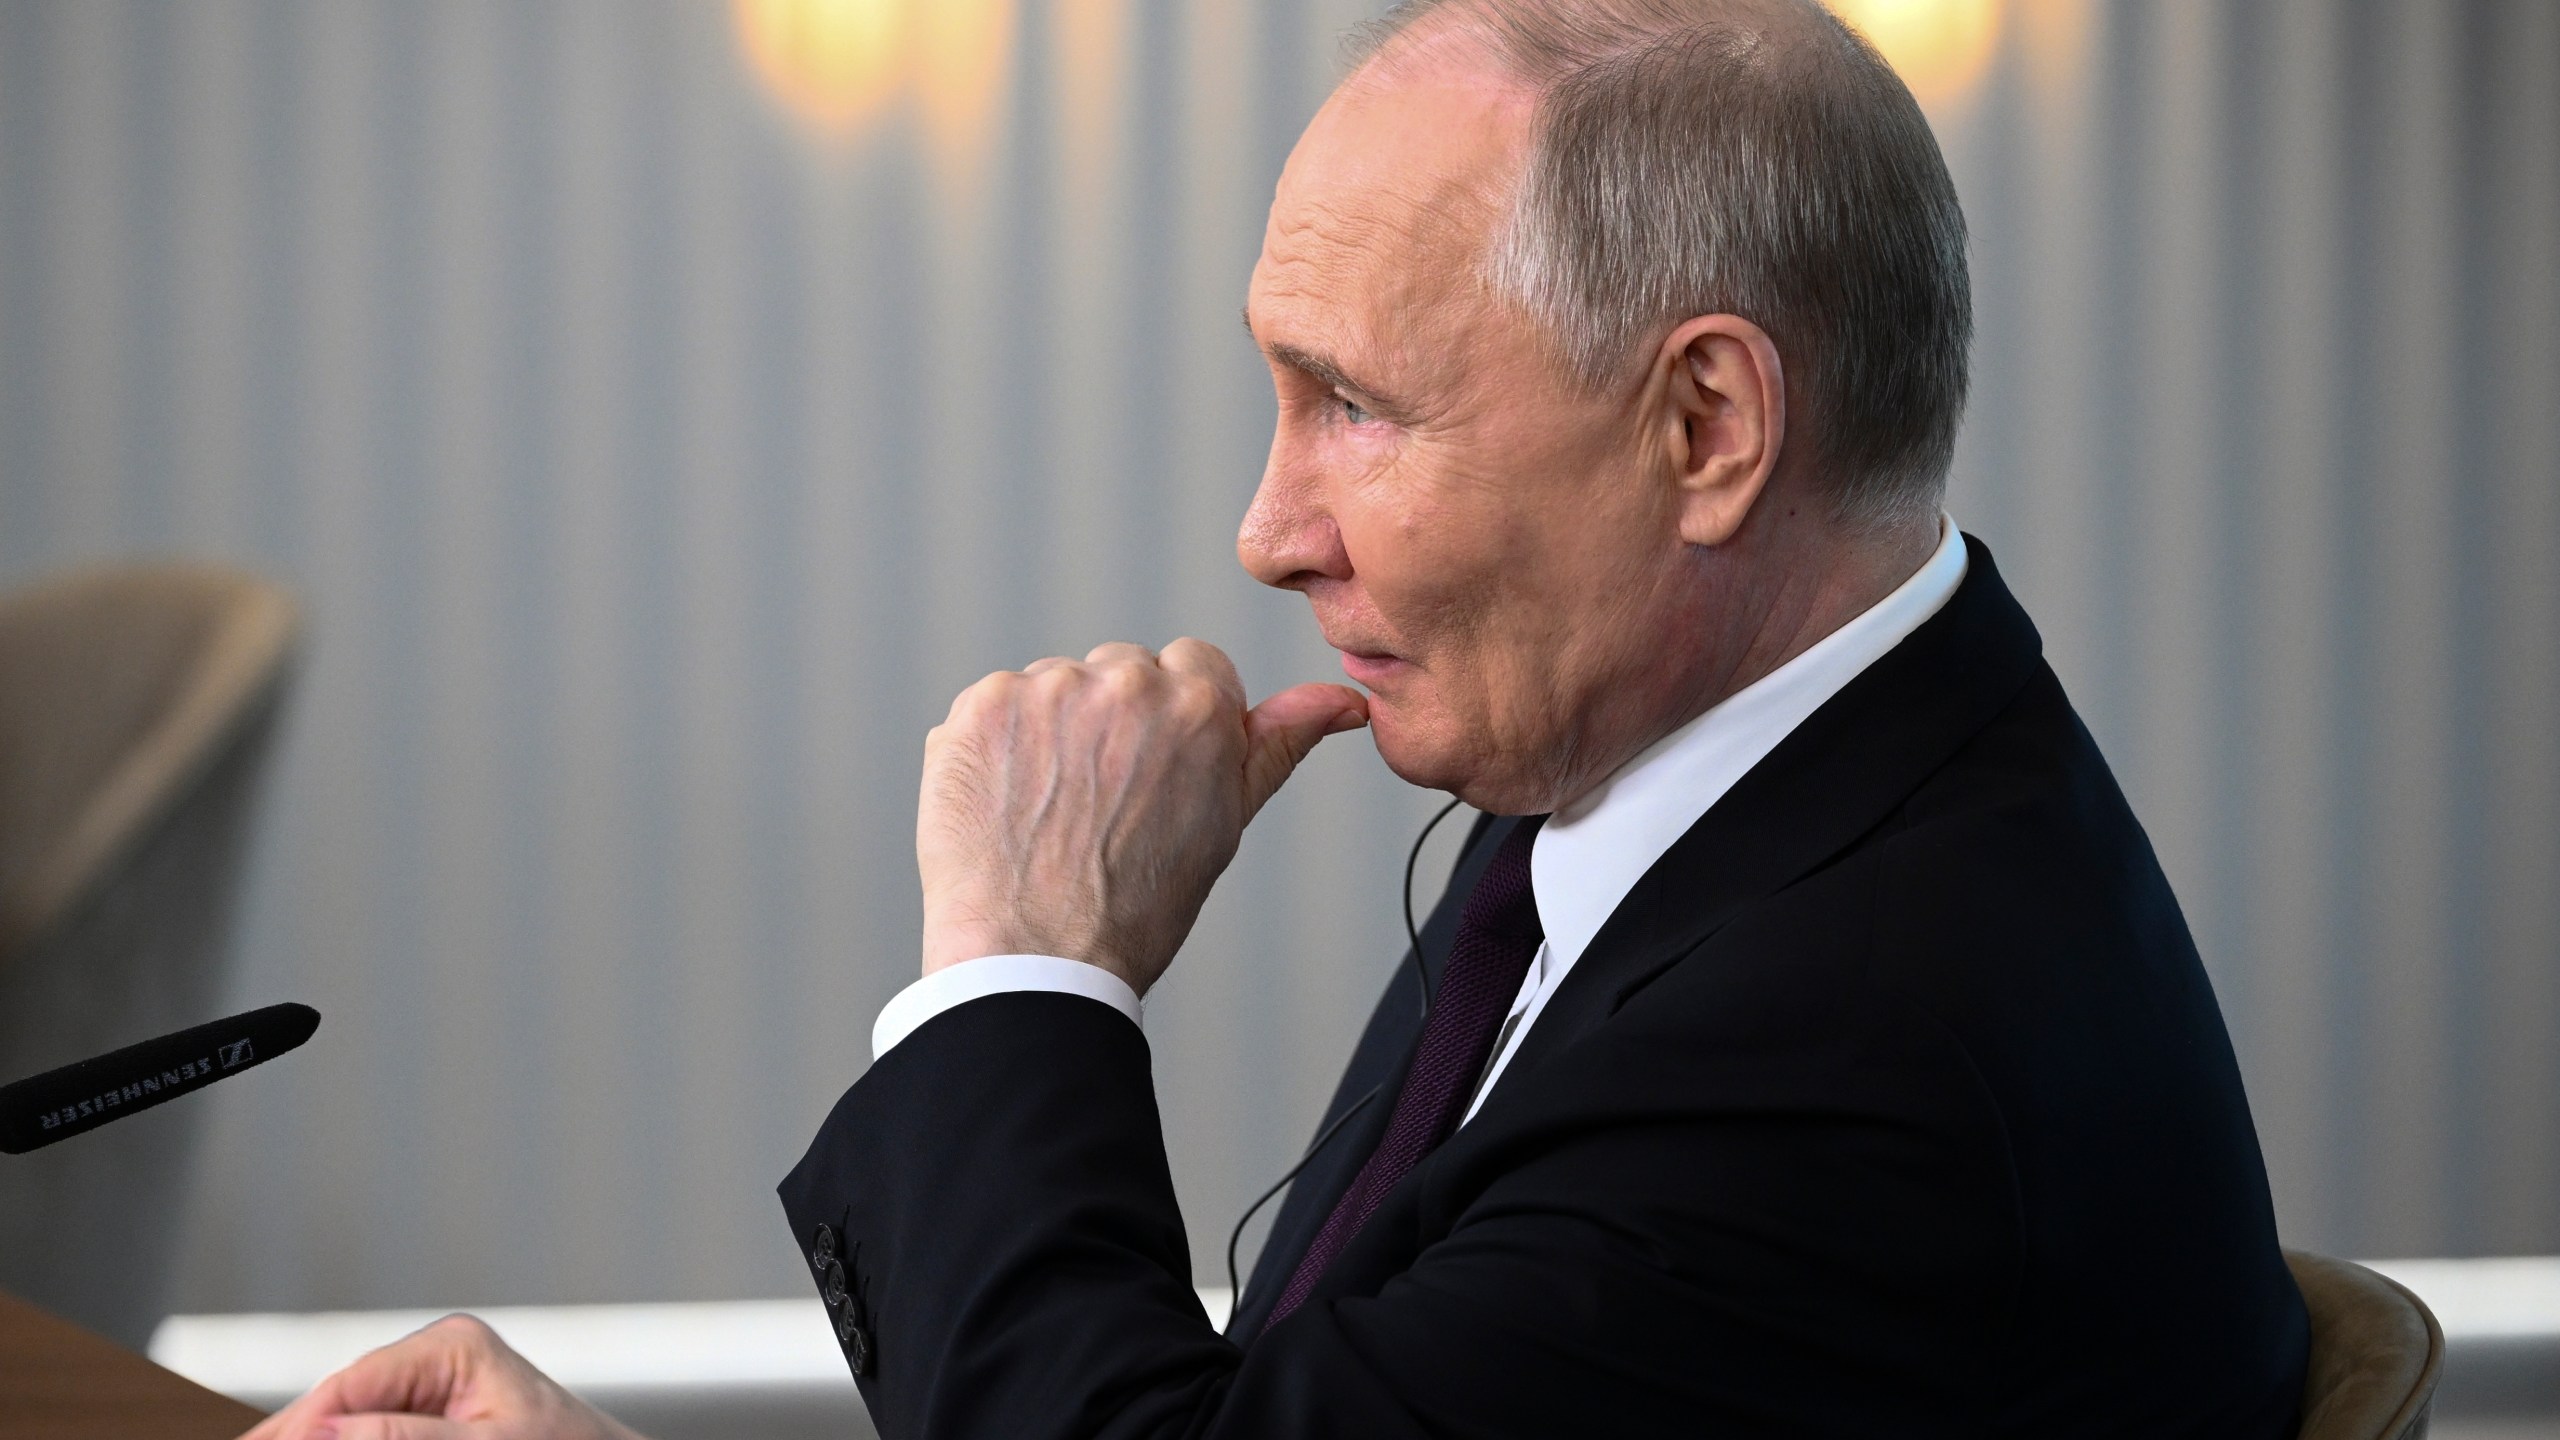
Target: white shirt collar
{"x": 1590, "y": 854}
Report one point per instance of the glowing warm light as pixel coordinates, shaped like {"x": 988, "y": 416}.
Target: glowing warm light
{"x": 1939, "y": 47}
{"x": 833, "y": 63}
{"x": 837, "y": 64}
{"x": 963, "y": 49}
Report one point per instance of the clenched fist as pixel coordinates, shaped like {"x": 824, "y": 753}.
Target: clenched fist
{"x": 1084, "y": 808}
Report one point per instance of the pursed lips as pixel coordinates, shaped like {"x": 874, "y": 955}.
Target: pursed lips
{"x": 1370, "y": 667}
{"x": 1365, "y": 661}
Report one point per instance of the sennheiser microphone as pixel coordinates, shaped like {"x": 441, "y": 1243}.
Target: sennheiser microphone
{"x": 58, "y": 1104}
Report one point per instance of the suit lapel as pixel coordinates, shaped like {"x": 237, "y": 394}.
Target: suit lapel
{"x": 1838, "y": 775}
{"x": 1831, "y": 781}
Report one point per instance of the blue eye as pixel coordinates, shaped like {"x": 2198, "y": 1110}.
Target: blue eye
{"x": 1352, "y": 410}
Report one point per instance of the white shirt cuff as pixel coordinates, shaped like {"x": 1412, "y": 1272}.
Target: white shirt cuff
{"x": 995, "y": 975}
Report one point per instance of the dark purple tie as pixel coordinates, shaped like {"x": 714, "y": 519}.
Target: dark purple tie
{"x": 1498, "y": 935}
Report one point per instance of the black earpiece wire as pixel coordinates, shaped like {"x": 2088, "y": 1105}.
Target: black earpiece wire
{"x": 1234, "y": 1292}
{"x": 1422, "y": 984}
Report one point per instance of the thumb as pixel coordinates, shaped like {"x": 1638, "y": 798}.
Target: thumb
{"x": 1280, "y": 731}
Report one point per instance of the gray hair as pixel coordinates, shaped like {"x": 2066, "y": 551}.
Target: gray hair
{"x": 1758, "y": 159}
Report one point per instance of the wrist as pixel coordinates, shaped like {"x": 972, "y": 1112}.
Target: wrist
{"x": 951, "y": 946}
{"x": 946, "y": 947}
{"x": 956, "y": 934}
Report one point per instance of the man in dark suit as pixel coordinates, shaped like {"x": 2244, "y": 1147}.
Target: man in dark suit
{"x": 1807, "y": 1044}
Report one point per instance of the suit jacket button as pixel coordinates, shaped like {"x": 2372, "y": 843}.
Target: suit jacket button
{"x": 857, "y": 1345}
{"x": 833, "y": 1288}
{"x": 822, "y": 1247}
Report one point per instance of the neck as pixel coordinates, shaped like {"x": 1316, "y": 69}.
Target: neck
{"x": 1815, "y": 594}
{"x": 1773, "y": 597}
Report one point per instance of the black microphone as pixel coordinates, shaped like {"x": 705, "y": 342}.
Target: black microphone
{"x": 58, "y": 1104}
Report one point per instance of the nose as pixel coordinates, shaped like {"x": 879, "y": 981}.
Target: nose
{"x": 1289, "y": 539}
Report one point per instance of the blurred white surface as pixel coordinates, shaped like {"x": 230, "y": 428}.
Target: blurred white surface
{"x": 625, "y": 1351}
{"x": 2506, "y": 1297}
{"x": 266, "y": 1358}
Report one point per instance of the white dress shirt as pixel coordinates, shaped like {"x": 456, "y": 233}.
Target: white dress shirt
{"x": 1589, "y": 854}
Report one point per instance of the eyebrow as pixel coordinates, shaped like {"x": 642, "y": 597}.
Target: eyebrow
{"x": 1324, "y": 369}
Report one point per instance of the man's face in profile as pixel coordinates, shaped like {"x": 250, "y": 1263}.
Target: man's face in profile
{"x": 1481, "y": 537}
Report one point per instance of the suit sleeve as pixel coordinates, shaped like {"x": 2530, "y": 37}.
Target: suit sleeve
{"x": 1016, "y": 1265}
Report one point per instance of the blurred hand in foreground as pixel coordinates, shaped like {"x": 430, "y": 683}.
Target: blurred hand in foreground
{"x": 454, "y": 1380}
{"x": 1084, "y": 808}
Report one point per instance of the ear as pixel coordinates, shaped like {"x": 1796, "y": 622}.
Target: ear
{"x": 1723, "y": 414}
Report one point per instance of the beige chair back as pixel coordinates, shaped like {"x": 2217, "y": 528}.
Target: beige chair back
{"x": 136, "y": 708}
{"x": 117, "y": 688}
{"x": 2376, "y": 1353}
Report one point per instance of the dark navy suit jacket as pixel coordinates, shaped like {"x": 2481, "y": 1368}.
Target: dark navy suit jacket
{"x": 1893, "y": 1101}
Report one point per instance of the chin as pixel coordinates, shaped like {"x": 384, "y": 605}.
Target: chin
{"x": 1419, "y": 754}
{"x": 1446, "y": 757}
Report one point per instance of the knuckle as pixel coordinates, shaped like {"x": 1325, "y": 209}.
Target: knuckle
{"x": 1199, "y": 701}
{"x": 463, "y": 1328}
{"x": 992, "y": 692}
{"x": 1128, "y": 681}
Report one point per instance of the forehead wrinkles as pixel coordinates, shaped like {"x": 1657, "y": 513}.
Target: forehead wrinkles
{"x": 1312, "y": 246}
{"x": 1388, "y": 268}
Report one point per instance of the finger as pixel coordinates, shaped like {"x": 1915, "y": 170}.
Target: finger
{"x": 285, "y": 1422}
{"x": 424, "y": 1373}
{"x": 1187, "y": 656}
{"x": 421, "y": 1372}
{"x": 397, "y": 1427}
{"x": 1279, "y": 732}
{"x": 1051, "y": 663}
{"x": 1119, "y": 652}
{"x": 313, "y": 1416}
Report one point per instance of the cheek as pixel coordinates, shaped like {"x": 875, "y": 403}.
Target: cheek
{"x": 1436, "y": 569}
